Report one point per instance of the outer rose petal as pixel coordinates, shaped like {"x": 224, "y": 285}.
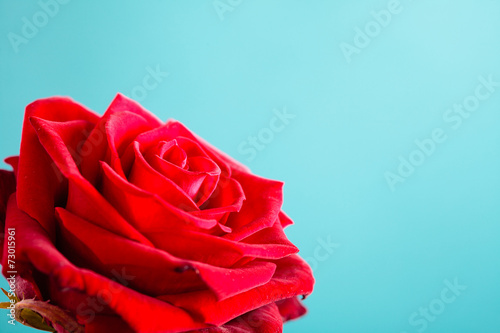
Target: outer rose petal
{"x": 108, "y": 141}
{"x": 227, "y": 197}
{"x": 144, "y": 210}
{"x": 291, "y": 308}
{"x": 7, "y": 187}
{"x": 121, "y": 122}
{"x": 205, "y": 248}
{"x": 261, "y": 208}
{"x": 13, "y": 161}
{"x": 285, "y": 220}
{"x": 266, "y": 319}
{"x": 82, "y": 198}
{"x": 156, "y": 271}
{"x": 38, "y": 182}
{"x": 34, "y": 249}
{"x": 293, "y": 277}
{"x": 123, "y": 103}
{"x": 104, "y": 324}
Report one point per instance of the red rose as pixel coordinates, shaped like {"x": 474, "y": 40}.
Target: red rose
{"x": 129, "y": 224}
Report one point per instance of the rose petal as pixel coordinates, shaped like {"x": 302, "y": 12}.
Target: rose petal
{"x": 102, "y": 324}
{"x": 145, "y": 177}
{"x": 65, "y": 136}
{"x": 227, "y": 198}
{"x": 108, "y": 141}
{"x": 38, "y": 182}
{"x": 293, "y": 277}
{"x": 266, "y": 319}
{"x": 154, "y": 271}
{"x": 123, "y": 120}
{"x": 261, "y": 208}
{"x": 285, "y": 220}
{"x": 291, "y": 308}
{"x": 123, "y": 103}
{"x": 122, "y": 128}
{"x": 7, "y": 187}
{"x": 171, "y": 152}
{"x": 226, "y": 283}
{"x": 13, "y": 161}
{"x": 82, "y": 198}
{"x": 199, "y": 180}
{"x": 157, "y": 272}
{"x": 270, "y": 237}
{"x": 172, "y": 130}
{"x": 33, "y": 247}
{"x": 144, "y": 210}
{"x": 189, "y": 182}
{"x": 206, "y": 248}
{"x": 224, "y": 161}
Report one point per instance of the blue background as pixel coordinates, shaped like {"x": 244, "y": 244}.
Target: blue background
{"x": 354, "y": 117}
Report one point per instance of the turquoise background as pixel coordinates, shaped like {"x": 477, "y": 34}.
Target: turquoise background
{"x": 391, "y": 250}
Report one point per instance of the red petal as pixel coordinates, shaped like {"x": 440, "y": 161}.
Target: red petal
{"x": 145, "y": 177}
{"x": 206, "y": 248}
{"x": 172, "y": 130}
{"x": 7, "y": 187}
{"x": 199, "y": 180}
{"x": 13, "y": 161}
{"x": 291, "y": 308}
{"x": 146, "y": 211}
{"x": 170, "y": 152}
{"x": 223, "y": 160}
{"x": 228, "y": 197}
{"x": 154, "y": 271}
{"x": 105, "y": 324}
{"x": 157, "y": 272}
{"x": 293, "y": 277}
{"x": 266, "y": 319}
{"x": 123, "y": 103}
{"x": 108, "y": 141}
{"x": 122, "y": 128}
{"x": 261, "y": 208}
{"x": 37, "y": 179}
{"x": 82, "y": 198}
{"x": 285, "y": 220}
{"x": 61, "y": 140}
{"x": 272, "y": 239}
{"x": 33, "y": 247}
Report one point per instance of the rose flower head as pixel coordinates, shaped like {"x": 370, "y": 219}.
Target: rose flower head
{"x": 124, "y": 223}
